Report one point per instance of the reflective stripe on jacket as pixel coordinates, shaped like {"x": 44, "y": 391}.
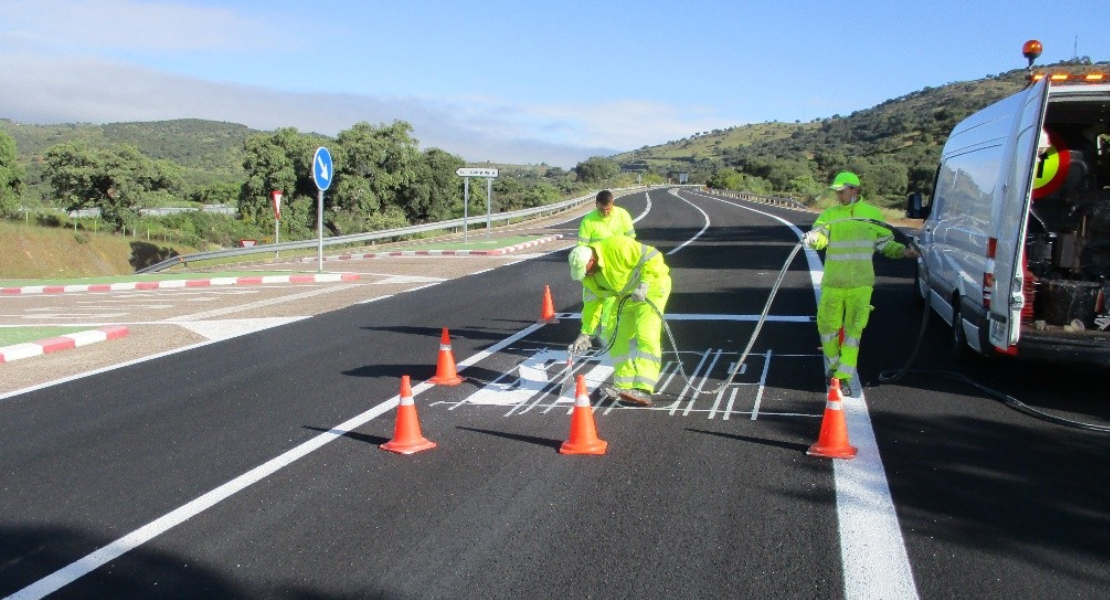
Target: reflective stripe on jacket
{"x": 849, "y": 245}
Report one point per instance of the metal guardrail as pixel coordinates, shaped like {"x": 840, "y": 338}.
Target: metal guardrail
{"x": 776, "y": 200}
{"x": 356, "y": 238}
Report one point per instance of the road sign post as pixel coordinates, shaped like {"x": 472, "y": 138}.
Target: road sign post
{"x": 466, "y": 204}
{"x": 466, "y": 173}
{"x": 489, "y": 205}
{"x": 275, "y": 199}
{"x": 322, "y": 174}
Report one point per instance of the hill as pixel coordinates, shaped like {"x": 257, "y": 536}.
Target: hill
{"x": 896, "y": 143}
{"x": 208, "y": 152}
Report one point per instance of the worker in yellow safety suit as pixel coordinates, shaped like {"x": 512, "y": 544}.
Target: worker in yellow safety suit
{"x": 849, "y": 277}
{"x": 606, "y": 220}
{"x": 619, "y": 267}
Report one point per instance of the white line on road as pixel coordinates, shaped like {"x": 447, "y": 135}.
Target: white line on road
{"x": 144, "y": 534}
{"x": 762, "y": 386}
{"x": 696, "y": 236}
{"x": 872, "y": 550}
{"x": 261, "y": 303}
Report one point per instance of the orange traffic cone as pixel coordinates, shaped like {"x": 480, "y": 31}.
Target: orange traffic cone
{"x": 406, "y": 435}
{"x": 833, "y": 440}
{"x": 583, "y": 435}
{"x": 445, "y": 366}
{"x": 547, "y": 312}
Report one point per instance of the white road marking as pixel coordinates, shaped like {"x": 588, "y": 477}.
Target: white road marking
{"x": 531, "y": 379}
{"x": 230, "y": 328}
{"x": 872, "y": 550}
{"x": 396, "y": 279}
{"x": 261, "y": 303}
{"x": 762, "y": 386}
{"x": 67, "y": 316}
{"x": 157, "y": 527}
{"x": 698, "y": 234}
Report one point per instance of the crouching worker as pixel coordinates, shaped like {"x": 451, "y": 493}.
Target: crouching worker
{"x": 849, "y": 241}
{"x": 619, "y": 267}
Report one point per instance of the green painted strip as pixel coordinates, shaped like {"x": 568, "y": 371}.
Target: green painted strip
{"x": 9, "y": 336}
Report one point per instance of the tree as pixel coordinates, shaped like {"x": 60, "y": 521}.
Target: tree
{"x": 117, "y": 180}
{"x": 217, "y": 193}
{"x": 375, "y": 169}
{"x": 597, "y": 169}
{"x": 436, "y": 189}
{"x": 11, "y": 176}
{"x": 279, "y": 161}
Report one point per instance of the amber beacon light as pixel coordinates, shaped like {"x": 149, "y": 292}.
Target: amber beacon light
{"x": 1031, "y": 51}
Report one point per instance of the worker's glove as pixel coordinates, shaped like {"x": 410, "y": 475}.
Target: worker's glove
{"x": 640, "y": 293}
{"x": 910, "y": 252}
{"x": 581, "y": 344}
{"x": 810, "y": 238}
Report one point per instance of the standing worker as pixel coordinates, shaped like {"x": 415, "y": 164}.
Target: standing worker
{"x": 619, "y": 267}
{"x": 849, "y": 277}
{"x": 606, "y": 220}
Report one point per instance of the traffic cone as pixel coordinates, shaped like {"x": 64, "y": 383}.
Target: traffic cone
{"x": 833, "y": 440}
{"x": 583, "y": 435}
{"x": 547, "y": 312}
{"x": 406, "y": 435}
{"x": 445, "y": 366}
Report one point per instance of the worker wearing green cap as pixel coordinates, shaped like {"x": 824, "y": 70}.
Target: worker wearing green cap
{"x": 850, "y": 239}
{"x": 619, "y": 267}
{"x": 606, "y": 220}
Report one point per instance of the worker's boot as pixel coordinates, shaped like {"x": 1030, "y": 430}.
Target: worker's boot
{"x": 851, "y": 388}
{"x": 634, "y": 397}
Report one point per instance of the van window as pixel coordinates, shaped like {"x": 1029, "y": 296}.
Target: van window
{"x": 973, "y": 177}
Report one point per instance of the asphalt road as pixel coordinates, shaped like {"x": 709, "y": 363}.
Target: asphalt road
{"x": 249, "y": 467}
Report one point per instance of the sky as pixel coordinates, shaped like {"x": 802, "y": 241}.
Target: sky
{"x": 512, "y": 82}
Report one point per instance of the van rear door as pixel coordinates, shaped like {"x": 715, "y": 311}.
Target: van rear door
{"x": 1011, "y": 216}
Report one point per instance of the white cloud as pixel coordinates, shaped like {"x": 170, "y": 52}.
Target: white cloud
{"x": 627, "y": 124}
{"x": 50, "y": 90}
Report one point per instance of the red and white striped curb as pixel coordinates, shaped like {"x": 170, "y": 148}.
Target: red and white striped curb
{"x": 179, "y": 283}
{"x": 401, "y": 253}
{"x": 63, "y": 342}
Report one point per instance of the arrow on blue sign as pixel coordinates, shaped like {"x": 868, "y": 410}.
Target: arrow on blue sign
{"x": 322, "y": 168}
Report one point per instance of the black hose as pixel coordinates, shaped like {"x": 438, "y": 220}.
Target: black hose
{"x": 888, "y": 376}
{"x": 1008, "y": 400}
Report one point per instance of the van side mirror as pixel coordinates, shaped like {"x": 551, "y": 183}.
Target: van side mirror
{"x": 916, "y": 207}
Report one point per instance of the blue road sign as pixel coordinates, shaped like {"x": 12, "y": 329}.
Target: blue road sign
{"x": 322, "y": 169}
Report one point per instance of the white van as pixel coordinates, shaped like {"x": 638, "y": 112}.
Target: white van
{"x": 1016, "y": 239}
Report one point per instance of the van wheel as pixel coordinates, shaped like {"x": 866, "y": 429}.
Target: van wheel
{"x": 960, "y": 350}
